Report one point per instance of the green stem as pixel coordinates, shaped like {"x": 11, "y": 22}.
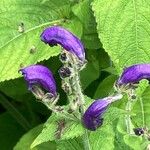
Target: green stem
{"x": 14, "y": 112}
{"x": 128, "y": 116}
{"x": 82, "y": 101}
{"x": 61, "y": 114}
{"x": 76, "y": 90}
{"x": 142, "y": 111}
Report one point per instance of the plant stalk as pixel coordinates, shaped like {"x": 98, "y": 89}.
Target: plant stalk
{"x": 80, "y": 96}
{"x": 77, "y": 98}
{"x": 128, "y": 116}
{"x": 62, "y": 114}
{"x": 142, "y": 111}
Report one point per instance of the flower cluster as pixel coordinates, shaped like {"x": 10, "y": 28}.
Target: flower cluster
{"x": 42, "y": 84}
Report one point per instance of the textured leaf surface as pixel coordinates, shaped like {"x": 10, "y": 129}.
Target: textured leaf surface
{"x": 124, "y": 29}
{"x": 138, "y": 141}
{"x": 72, "y": 144}
{"x": 84, "y": 12}
{"x": 72, "y": 129}
{"x": 102, "y": 139}
{"x": 124, "y": 140}
{"x": 27, "y": 139}
{"x": 105, "y": 87}
{"x": 49, "y": 133}
{"x": 92, "y": 70}
{"x": 141, "y": 109}
{"x": 21, "y": 49}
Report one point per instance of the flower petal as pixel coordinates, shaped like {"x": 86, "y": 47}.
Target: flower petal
{"x": 92, "y": 118}
{"x": 134, "y": 74}
{"x": 40, "y": 75}
{"x": 57, "y": 35}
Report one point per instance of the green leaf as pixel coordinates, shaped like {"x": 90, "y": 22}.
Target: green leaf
{"x": 92, "y": 70}
{"x": 27, "y": 139}
{"x": 14, "y": 88}
{"x": 15, "y": 50}
{"x": 71, "y": 144}
{"x": 10, "y": 131}
{"x": 124, "y": 30}
{"x": 130, "y": 141}
{"x": 84, "y": 12}
{"x": 112, "y": 114}
{"x": 119, "y": 142}
{"x": 105, "y": 87}
{"x": 103, "y": 138}
{"x": 143, "y": 84}
{"x": 97, "y": 61}
{"x": 49, "y": 133}
{"x": 72, "y": 128}
{"x": 135, "y": 142}
{"x": 139, "y": 105}
{"x": 14, "y": 112}
{"x": 141, "y": 109}
{"x": 110, "y": 70}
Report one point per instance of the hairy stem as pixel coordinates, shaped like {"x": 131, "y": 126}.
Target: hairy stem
{"x": 85, "y": 136}
{"x": 76, "y": 98}
{"x": 80, "y": 96}
{"x": 63, "y": 114}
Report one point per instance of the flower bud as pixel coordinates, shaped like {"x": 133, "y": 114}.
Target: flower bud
{"x": 39, "y": 78}
{"x": 92, "y": 118}
{"x": 134, "y": 74}
{"x": 138, "y": 131}
{"x": 63, "y": 57}
{"x": 57, "y": 35}
{"x": 64, "y": 72}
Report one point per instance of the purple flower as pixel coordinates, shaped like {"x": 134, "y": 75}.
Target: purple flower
{"x": 57, "y": 35}
{"x": 38, "y": 75}
{"x": 92, "y": 118}
{"x": 134, "y": 74}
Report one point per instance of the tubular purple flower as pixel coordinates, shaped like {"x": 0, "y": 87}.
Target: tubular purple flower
{"x": 134, "y": 74}
{"x": 92, "y": 118}
{"x": 41, "y": 76}
{"x": 57, "y": 35}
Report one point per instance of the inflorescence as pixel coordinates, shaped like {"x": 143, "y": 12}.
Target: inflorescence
{"x": 41, "y": 82}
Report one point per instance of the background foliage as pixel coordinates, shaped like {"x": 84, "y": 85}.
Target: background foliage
{"x": 115, "y": 34}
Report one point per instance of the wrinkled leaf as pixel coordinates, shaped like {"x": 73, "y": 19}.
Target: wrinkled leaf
{"x": 21, "y": 49}
{"x": 123, "y": 28}
{"x": 84, "y": 12}
{"x": 27, "y": 139}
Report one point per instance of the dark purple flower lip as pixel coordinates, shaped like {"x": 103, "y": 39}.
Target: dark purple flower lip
{"x": 38, "y": 75}
{"x": 92, "y": 118}
{"x": 58, "y": 35}
{"x": 134, "y": 74}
